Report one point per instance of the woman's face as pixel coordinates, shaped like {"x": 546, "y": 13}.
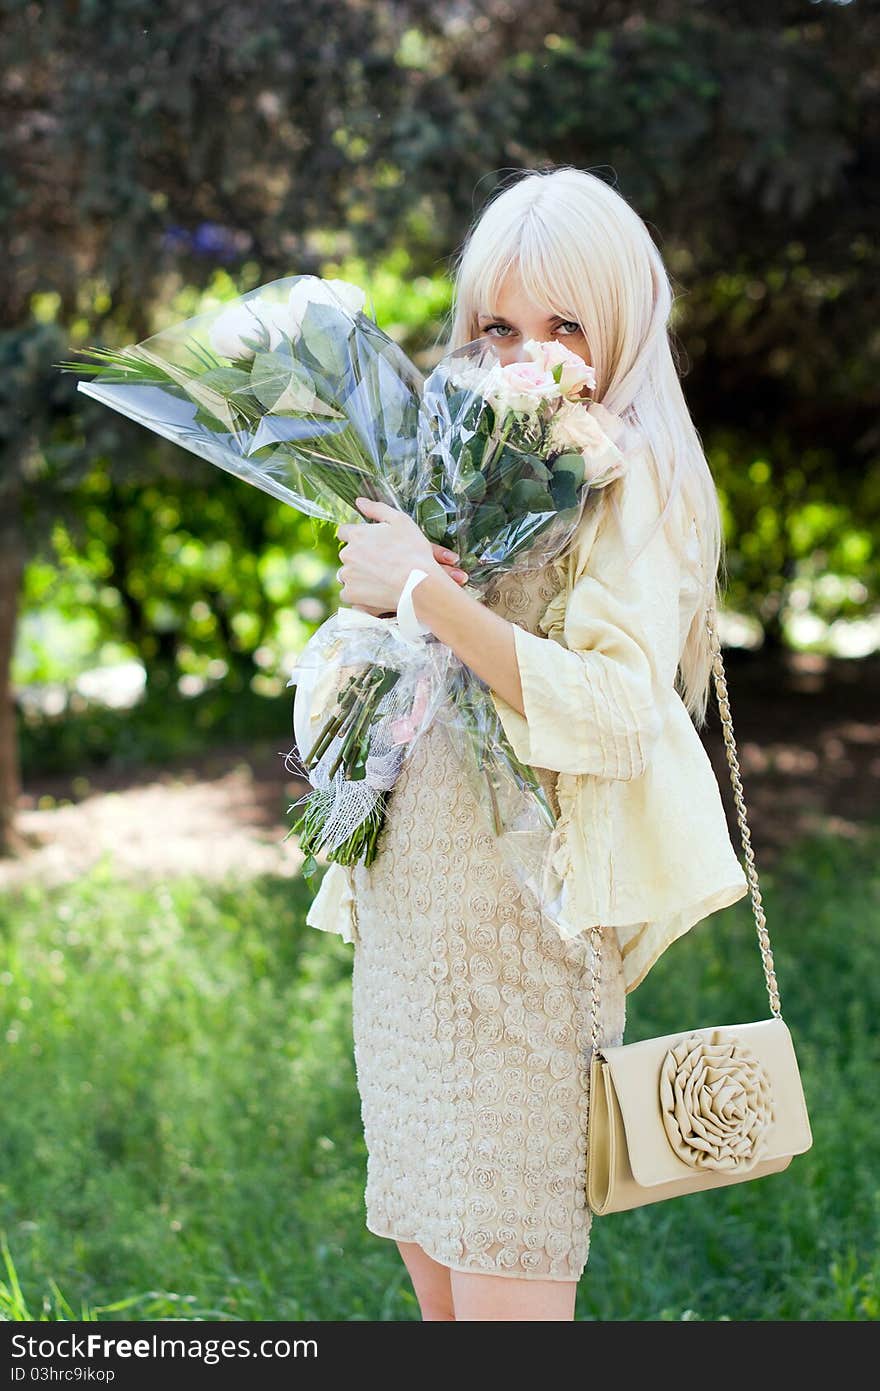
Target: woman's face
{"x": 514, "y": 319}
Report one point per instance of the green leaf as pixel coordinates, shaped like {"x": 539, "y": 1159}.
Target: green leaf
{"x": 324, "y": 331}
{"x": 229, "y": 381}
{"x": 487, "y": 518}
{"x": 564, "y": 490}
{"x": 432, "y": 518}
{"x": 508, "y": 467}
{"x": 572, "y": 463}
{"x": 528, "y": 495}
{"x": 537, "y": 467}
{"x": 458, "y": 400}
{"x": 384, "y": 385}
{"x": 281, "y": 384}
{"x": 475, "y": 487}
{"x": 210, "y": 422}
{"x": 467, "y": 461}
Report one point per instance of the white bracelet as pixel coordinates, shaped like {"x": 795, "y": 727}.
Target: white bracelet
{"x": 409, "y": 624}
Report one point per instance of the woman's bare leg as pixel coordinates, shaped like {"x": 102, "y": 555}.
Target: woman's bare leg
{"x": 477, "y": 1296}
{"x": 430, "y": 1282}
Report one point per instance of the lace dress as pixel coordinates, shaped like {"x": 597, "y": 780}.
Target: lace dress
{"x": 470, "y": 1020}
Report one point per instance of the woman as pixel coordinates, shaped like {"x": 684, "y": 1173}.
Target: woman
{"x": 470, "y": 1009}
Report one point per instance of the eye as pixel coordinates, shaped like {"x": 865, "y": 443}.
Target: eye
{"x": 571, "y": 324}
{"x": 490, "y": 327}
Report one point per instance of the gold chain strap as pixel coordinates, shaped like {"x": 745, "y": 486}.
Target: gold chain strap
{"x": 751, "y": 873}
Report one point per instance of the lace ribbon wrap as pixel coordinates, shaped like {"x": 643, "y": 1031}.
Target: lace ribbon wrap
{"x": 350, "y": 640}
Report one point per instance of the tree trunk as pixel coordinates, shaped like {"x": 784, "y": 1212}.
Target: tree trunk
{"x": 12, "y": 558}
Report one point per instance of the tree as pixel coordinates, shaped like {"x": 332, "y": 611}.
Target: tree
{"x": 146, "y": 144}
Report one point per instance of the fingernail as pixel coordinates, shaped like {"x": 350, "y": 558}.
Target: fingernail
{"x": 453, "y": 555}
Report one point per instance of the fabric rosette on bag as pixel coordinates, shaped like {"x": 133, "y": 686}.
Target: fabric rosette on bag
{"x": 295, "y": 389}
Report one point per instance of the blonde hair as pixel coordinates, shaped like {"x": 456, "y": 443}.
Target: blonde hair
{"x": 579, "y": 249}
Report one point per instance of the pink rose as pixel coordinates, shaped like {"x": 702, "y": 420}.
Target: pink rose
{"x": 529, "y": 378}
{"x": 575, "y": 373}
{"x": 519, "y": 386}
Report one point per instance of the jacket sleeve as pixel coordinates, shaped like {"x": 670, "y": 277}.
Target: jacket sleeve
{"x": 596, "y": 689}
{"x": 333, "y": 909}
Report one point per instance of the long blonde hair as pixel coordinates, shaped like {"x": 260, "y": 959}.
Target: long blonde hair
{"x": 579, "y": 249}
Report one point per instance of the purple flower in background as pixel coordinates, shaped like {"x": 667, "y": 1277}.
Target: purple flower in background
{"x": 175, "y": 239}
{"x": 213, "y": 239}
{"x": 207, "y": 239}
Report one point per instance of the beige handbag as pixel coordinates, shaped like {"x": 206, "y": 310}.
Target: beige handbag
{"x": 698, "y": 1109}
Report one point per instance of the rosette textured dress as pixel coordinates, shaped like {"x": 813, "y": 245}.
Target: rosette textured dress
{"x": 470, "y": 1019}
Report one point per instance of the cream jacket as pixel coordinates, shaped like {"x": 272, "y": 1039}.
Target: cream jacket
{"x": 642, "y": 842}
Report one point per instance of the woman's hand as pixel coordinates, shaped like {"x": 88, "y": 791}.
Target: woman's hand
{"x": 377, "y": 558}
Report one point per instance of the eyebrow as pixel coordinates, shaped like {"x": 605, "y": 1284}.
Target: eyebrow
{"x": 499, "y": 318}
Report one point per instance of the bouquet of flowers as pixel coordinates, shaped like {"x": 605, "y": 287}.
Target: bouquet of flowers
{"x": 296, "y": 389}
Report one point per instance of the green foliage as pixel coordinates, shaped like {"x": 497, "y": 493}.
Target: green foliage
{"x": 798, "y": 536}
{"x": 184, "y": 572}
{"x": 182, "y": 1135}
{"x": 163, "y": 727}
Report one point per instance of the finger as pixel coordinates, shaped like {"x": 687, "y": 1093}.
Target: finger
{"x": 442, "y": 553}
{"x": 454, "y": 571}
{"x": 381, "y": 511}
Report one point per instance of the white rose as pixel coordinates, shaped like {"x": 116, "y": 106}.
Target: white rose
{"x": 311, "y": 289}
{"x": 268, "y": 323}
{"x": 575, "y": 428}
{"x": 250, "y": 319}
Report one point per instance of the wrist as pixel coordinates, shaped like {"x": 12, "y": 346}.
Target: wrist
{"x": 431, "y": 596}
{"x": 410, "y": 626}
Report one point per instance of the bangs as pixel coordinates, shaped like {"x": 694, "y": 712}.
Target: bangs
{"x": 521, "y": 247}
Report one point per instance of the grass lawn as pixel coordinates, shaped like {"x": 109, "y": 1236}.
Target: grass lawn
{"x": 181, "y": 1131}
